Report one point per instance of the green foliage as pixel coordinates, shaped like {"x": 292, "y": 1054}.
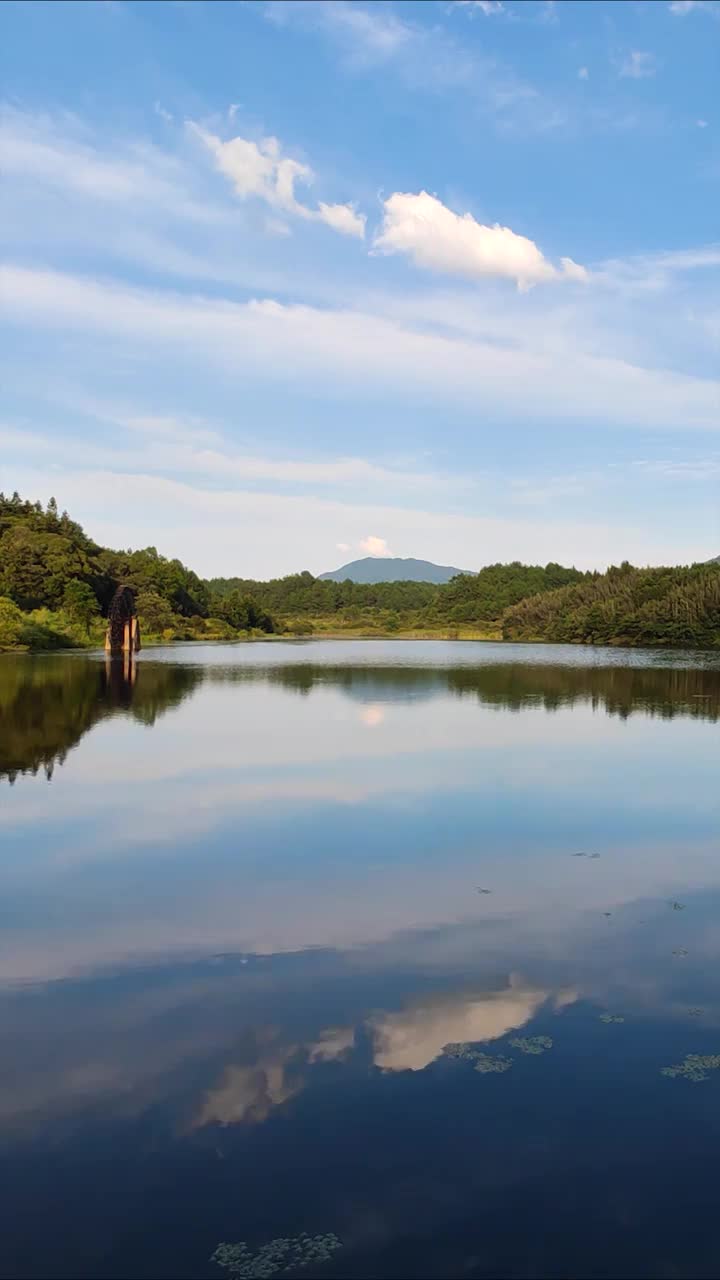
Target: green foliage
{"x": 12, "y": 624}
{"x": 391, "y": 607}
{"x": 278, "y": 1257}
{"x": 666, "y": 606}
{"x": 80, "y": 603}
{"x": 484, "y": 596}
{"x": 154, "y": 612}
{"x": 242, "y": 612}
{"x": 47, "y": 562}
{"x": 38, "y": 630}
{"x": 301, "y": 595}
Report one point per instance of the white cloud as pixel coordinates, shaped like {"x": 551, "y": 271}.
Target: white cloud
{"x": 204, "y": 526}
{"x": 377, "y": 31}
{"x": 343, "y": 218}
{"x": 170, "y": 446}
{"x": 276, "y": 227}
{"x": 544, "y": 372}
{"x": 60, "y": 153}
{"x": 163, "y": 113}
{"x": 680, "y": 8}
{"x": 638, "y": 65}
{"x": 488, "y": 7}
{"x": 701, "y": 124}
{"x": 425, "y": 58}
{"x": 260, "y": 170}
{"x": 437, "y": 239}
{"x": 343, "y": 546}
{"x": 549, "y": 12}
{"x": 373, "y": 546}
{"x": 583, "y": 74}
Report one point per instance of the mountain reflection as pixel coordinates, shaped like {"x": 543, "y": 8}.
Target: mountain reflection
{"x": 48, "y": 704}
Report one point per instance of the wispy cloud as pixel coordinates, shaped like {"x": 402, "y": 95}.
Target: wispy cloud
{"x": 426, "y": 59}
{"x": 368, "y": 350}
{"x": 61, "y": 152}
{"x": 681, "y": 8}
{"x": 487, "y": 7}
{"x": 638, "y": 65}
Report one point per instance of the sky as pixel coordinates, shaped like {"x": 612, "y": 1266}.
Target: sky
{"x": 288, "y": 284}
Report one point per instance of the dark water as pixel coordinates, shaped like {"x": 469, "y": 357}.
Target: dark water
{"x": 241, "y": 923}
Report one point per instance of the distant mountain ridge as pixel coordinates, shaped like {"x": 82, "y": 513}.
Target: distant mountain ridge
{"x": 392, "y": 569}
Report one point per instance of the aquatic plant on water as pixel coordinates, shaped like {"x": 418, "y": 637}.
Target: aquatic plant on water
{"x": 278, "y": 1257}
{"x": 532, "y": 1044}
{"x": 610, "y": 1017}
{"x": 695, "y": 1067}
{"x": 485, "y": 1063}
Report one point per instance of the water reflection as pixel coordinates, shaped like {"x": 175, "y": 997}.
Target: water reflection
{"x": 249, "y": 987}
{"x": 48, "y": 704}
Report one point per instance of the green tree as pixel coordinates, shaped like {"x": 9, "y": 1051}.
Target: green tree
{"x": 12, "y": 624}
{"x": 154, "y": 612}
{"x": 80, "y": 603}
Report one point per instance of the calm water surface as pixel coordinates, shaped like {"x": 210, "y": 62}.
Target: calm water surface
{"x": 244, "y": 913}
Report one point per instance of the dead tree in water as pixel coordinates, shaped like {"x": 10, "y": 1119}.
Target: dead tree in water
{"x": 123, "y": 631}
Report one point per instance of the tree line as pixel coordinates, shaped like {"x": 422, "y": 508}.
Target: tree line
{"x": 56, "y": 584}
{"x": 626, "y": 606}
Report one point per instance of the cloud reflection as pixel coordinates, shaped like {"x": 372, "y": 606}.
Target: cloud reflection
{"x": 411, "y": 1039}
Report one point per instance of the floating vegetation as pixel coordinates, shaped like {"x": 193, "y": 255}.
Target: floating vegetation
{"x": 278, "y": 1257}
{"x": 463, "y": 1051}
{"x": 593, "y": 855}
{"x": 695, "y": 1067}
{"x": 484, "y": 890}
{"x": 695, "y": 1012}
{"x": 607, "y": 914}
{"x": 678, "y": 906}
{"x": 485, "y": 1063}
{"x": 579, "y": 855}
{"x": 680, "y": 951}
{"x": 532, "y": 1044}
{"x": 610, "y": 1017}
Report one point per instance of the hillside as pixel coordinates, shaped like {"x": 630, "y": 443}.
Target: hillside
{"x": 626, "y": 606}
{"x": 56, "y": 584}
{"x": 373, "y": 569}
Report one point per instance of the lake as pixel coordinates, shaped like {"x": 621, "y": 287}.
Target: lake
{"x": 387, "y": 943}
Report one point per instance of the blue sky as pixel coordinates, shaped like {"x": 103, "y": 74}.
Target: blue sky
{"x": 285, "y": 283}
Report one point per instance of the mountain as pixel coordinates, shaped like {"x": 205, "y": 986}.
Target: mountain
{"x": 392, "y": 569}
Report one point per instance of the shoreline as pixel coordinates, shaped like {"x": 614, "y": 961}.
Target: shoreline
{"x": 442, "y": 636}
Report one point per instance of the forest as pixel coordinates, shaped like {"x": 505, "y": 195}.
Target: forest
{"x": 56, "y": 585}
